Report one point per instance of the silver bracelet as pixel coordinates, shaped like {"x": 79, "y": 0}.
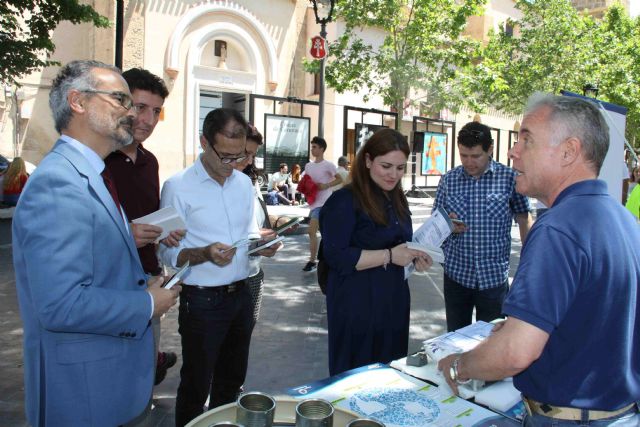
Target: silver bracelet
{"x": 453, "y": 372}
{"x": 386, "y": 259}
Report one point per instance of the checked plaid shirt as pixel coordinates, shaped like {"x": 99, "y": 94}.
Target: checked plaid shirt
{"x": 479, "y": 257}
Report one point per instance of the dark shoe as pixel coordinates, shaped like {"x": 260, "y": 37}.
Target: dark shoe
{"x": 310, "y": 267}
{"x": 165, "y": 361}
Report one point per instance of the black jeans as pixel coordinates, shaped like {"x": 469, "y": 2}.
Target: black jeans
{"x": 460, "y": 300}
{"x": 215, "y": 330}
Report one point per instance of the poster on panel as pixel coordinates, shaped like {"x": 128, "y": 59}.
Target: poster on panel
{"x": 364, "y": 132}
{"x": 434, "y": 156}
{"x": 286, "y": 141}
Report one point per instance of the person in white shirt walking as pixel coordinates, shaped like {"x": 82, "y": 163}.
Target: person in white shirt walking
{"x": 325, "y": 175}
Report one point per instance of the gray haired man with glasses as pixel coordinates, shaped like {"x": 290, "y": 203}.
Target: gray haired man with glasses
{"x": 216, "y": 311}
{"x": 84, "y": 299}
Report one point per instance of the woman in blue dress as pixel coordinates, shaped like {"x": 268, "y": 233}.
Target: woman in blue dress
{"x": 365, "y": 227}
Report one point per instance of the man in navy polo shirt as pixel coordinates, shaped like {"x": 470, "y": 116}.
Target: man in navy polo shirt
{"x": 572, "y": 338}
{"x": 481, "y": 193}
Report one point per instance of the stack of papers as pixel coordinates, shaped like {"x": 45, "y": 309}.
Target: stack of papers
{"x": 458, "y": 341}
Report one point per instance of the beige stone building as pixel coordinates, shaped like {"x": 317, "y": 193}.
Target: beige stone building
{"x": 244, "y": 54}
{"x": 598, "y": 7}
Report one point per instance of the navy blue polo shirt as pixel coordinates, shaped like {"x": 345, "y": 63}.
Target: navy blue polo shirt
{"x": 578, "y": 281}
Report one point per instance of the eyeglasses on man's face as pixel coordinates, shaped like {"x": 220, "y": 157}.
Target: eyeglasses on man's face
{"x": 226, "y": 160}
{"x": 123, "y": 99}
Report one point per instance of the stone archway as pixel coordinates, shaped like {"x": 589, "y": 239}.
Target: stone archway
{"x": 249, "y": 44}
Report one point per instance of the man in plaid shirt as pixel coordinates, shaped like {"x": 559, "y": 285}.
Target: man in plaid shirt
{"x": 481, "y": 194}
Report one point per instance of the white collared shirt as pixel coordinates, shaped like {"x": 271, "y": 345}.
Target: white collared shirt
{"x": 212, "y": 213}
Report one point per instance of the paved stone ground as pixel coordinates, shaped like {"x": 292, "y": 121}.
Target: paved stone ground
{"x": 289, "y": 345}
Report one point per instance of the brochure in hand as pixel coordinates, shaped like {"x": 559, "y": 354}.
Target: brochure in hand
{"x": 177, "y": 276}
{"x": 263, "y": 245}
{"x": 436, "y": 254}
{"x": 242, "y": 242}
{"x": 435, "y": 229}
{"x": 430, "y": 236}
{"x": 287, "y": 225}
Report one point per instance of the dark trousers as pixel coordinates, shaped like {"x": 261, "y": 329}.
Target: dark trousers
{"x": 215, "y": 330}
{"x": 459, "y": 302}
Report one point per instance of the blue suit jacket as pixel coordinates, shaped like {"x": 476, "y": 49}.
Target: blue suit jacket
{"x": 88, "y": 347}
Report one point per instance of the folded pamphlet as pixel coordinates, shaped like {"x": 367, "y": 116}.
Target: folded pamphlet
{"x": 436, "y": 254}
{"x": 435, "y": 229}
{"x": 429, "y": 237}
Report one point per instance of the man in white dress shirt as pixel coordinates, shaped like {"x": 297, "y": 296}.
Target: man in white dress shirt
{"x": 215, "y": 320}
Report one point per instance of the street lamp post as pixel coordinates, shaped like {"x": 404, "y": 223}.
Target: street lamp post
{"x": 323, "y": 9}
{"x": 590, "y": 90}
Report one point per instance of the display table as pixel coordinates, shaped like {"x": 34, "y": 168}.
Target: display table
{"x": 398, "y": 400}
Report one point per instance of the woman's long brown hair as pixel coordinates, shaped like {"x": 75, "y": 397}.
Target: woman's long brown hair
{"x": 16, "y": 170}
{"x": 367, "y": 193}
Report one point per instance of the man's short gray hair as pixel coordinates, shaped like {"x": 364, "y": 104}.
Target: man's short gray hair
{"x": 576, "y": 117}
{"x": 342, "y": 161}
{"x": 75, "y": 75}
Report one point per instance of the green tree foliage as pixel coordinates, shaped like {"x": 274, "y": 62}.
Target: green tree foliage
{"x": 420, "y": 50}
{"x": 616, "y": 42}
{"x": 556, "y": 47}
{"x": 25, "y": 32}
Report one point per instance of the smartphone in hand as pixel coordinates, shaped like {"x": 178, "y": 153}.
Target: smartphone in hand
{"x": 458, "y": 221}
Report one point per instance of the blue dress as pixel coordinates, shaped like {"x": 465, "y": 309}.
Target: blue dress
{"x": 367, "y": 310}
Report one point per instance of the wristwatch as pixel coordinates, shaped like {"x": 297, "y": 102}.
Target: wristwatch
{"x": 453, "y": 372}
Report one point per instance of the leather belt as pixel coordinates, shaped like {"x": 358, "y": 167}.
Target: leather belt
{"x": 224, "y": 289}
{"x": 568, "y": 413}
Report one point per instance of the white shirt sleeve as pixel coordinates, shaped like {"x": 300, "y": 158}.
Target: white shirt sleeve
{"x": 169, "y": 255}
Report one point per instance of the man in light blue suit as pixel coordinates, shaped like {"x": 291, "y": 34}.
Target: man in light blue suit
{"x": 83, "y": 295}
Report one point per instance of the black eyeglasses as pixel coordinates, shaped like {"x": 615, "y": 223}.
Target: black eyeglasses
{"x": 123, "y": 99}
{"x": 227, "y": 160}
